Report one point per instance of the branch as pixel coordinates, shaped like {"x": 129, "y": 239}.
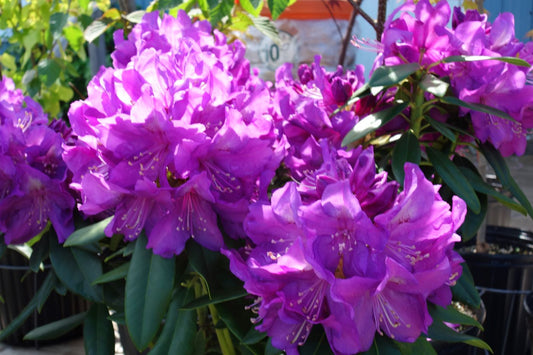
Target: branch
{"x": 347, "y": 36}
{"x": 382, "y": 17}
{"x": 356, "y": 5}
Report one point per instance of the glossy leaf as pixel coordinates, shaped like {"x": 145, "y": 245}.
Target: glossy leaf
{"x": 117, "y": 273}
{"x": 77, "y": 269}
{"x": 440, "y": 331}
{"x": 277, "y": 7}
{"x": 56, "y": 329}
{"x": 48, "y": 70}
{"x": 475, "y": 58}
{"x": 473, "y": 221}
{"x": 421, "y": 346}
{"x": 391, "y": 75}
{"x": 497, "y": 162}
{"x": 252, "y": 6}
{"x": 58, "y": 20}
{"x": 221, "y": 296}
{"x": 452, "y": 315}
{"x": 178, "y": 334}
{"x": 95, "y": 30}
{"x": 136, "y": 16}
{"x": 149, "y": 287}
{"x": 442, "y": 128}
{"x": 98, "y": 333}
{"x": 372, "y": 122}
{"x": 220, "y": 11}
{"x": 266, "y": 27}
{"x": 453, "y": 177}
{"x": 407, "y": 148}
{"x": 430, "y": 83}
{"x": 89, "y": 234}
{"x": 451, "y": 100}
{"x": 35, "y": 303}
{"x": 465, "y": 290}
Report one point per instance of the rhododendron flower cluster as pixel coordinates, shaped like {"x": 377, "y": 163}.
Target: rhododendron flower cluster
{"x": 33, "y": 187}
{"x": 420, "y": 34}
{"x": 358, "y": 258}
{"x": 176, "y": 135}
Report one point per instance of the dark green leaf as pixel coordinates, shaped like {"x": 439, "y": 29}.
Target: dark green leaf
{"x": 372, "y": 122}
{"x": 441, "y": 332}
{"x": 77, "y": 269}
{"x": 382, "y": 345}
{"x": 474, "y": 58}
{"x": 98, "y": 333}
{"x": 358, "y": 94}
{"x": 89, "y": 234}
{"x": 168, "y": 4}
{"x": 271, "y": 350}
{"x": 277, "y": 7}
{"x": 497, "y": 162}
{"x": 117, "y": 273}
{"x": 218, "y": 13}
{"x": 430, "y": 83}
{"x": 452, "y": 315}
{"x": 443, "y": 128}
{"x": 149, "y": 287}
{"x": 39, "y": 253}
{"x": 58, "y": 20}
{"x": 252, "y": 6}
{"x": 266, "y": 27}
{"x": 451, "y": 100}
{"x": 3, "y": 247}
{"x": 48, "y": 70}
{"x": 56, "y": 329}
{"x": 221, "y": 296}
{"x": 316, "y": 343}
{"x": 253, "y": 337}
{"x": 453, "y": 177}
{"x": 481, "y": 186}
{"x": 406, "y": 149}
{"x": 473, "y": 221}
{"x": 465, "y": 290}
{"x": 391, "y": 75}
{"x": 178, "y": 334}
{"x": 43, "y": 293}
{"x": 420, "y": 346}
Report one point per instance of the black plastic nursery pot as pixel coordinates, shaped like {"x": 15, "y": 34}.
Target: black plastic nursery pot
{"x": 18, "y": 285}
{"x": 504, "y": 279}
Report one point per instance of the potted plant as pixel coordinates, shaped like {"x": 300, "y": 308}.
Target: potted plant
{"x": 324, "y": 208}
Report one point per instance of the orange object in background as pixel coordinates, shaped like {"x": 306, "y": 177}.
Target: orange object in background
{"x": 315, "y": 10}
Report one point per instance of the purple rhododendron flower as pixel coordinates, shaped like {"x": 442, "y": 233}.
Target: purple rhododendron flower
{"x": 419, "y": 33}
{"x": 176, "y": 137}
{"x": 324, "y": 251}
{"x": 33, "y": 186}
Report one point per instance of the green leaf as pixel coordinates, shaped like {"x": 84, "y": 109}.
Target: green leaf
{"x": 35, "y": 303}
{"x": 253, "y": 337}
{"x": 95, "y": 30}
{"x": 168, "y": 4}
{"x": 452, "y": 315}
{"x": 252, "y": 6}
{"x": 464, "y": 58}
{"x": 271, "y": 350}
{"x": 117, "y": 273}
{"x": 39, "y": 253}
{"x": 497, "y": 162}
{"x": 221, "y": 11}
{"x": 178, "y": 334}
{"x": 221, "y": 296}
{"x": 74, "y": 35}
{"x": 442, "y": 128}
{"x": 77, "y": 269}
{"x": 136, "y": 16}
{"x": 48, "y": 70}
{"x": 89, "y": 234}
{"x": 465, "y": 290}
{"x": 473, "y": 221}
{"x": 430, "y": 83}
{"x": 420, "y": 346}
{"x": 406, "y": 149}
{"x": 98, "y": 333}
{"x": 372, "y": 122}
{"x": 266, "y": 27}
{"x": 391, "y": 75}
{"x": 476, "y": 107}
{"x": 453, "y": 177}
{"x": 359, "y": 94}
{"x": 56, "y": 329}
{"x": 383, "y": 345}
{"x": 277, "y": 7}
{"x": 149, "y": 287}
{"x": 441, "y": 332}
{"x": 58, "y": 20}
{"x": 481, "y": 186}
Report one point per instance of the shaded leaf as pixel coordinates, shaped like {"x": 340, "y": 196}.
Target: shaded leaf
{"x": 117, "y": 273}
{"x": 476, "y": 107}
{"x": 497, "y": 162}
{"x": 391, "y": 75}
{"x": 253, "y": 337}
{"x": 48, "y": 70}
{"x": 58, "y": 20}
{"x": 168, "y": 4}
{"x": 407, "y": 148}
{"x": 421, "y": 346}
{"x": 221, "y": 296}
{"x": 56, "y": 329}
{"x": 89, "y": 234}
{"x": 453, "y": 178}
{"x": 277, "y": 7}
{"x": 430, "y": 83}
{"x": 441, "y": 332}
{"x": 372, "y": 122}
{"x": 98, "y": 333}
{"x": 442, "y": 128}
{"x": 149, "y": 285}
{"x": 465, "y": 290}
{"x": 452, "y": 315}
